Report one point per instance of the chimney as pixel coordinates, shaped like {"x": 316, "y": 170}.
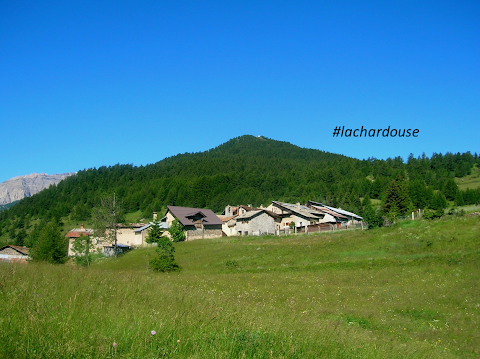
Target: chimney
{"x": 261, "y": 206}
{"x": 250, "y": 206}
{"x": 82, "y": 228}
{"x": 298, "y": 205}
{"x": 154, "y": 216}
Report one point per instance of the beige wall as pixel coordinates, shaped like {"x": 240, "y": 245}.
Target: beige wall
{"x": 129, "y": 237}
{"x": 170, "y": 218}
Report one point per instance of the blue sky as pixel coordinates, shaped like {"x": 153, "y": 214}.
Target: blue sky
{"x": 88, "y": 83}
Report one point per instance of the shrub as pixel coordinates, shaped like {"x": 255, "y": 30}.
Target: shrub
{"x": 177, "y": 231}
{"x": 164, "y": 264}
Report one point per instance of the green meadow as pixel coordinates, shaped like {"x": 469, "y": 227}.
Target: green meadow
{"x": 406, "y": 291}
{"x": 471, "y": 181}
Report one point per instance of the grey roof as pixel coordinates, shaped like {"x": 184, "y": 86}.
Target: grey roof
{"x": 182, "y": 214}
{"x": 301, "y": 210}
{"x": 162, "y": 225}
{"x": 255, "y": 212}
{"x": 338, "y": 210}
{"x": 20, "y": 249}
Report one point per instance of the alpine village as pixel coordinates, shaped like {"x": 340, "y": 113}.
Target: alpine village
{"x": 279, "y": 221}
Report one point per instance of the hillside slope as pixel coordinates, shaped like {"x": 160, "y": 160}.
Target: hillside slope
{"x": 407, "y": 291}
{"x": 245, "y": 170}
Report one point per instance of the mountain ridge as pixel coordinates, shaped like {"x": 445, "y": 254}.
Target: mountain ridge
{"x": 19, "y": 187}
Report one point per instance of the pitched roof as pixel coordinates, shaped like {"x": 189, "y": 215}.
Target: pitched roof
{"x": 301, "y": 210}
{"x": 185, "y": 215}
{"x": 255, "y": 212}
{"x": 162, "y": 225}
{"x": 19, "y": 249}
{"x": 77, "y": 232}
{"x": 330, "y": 212}
{"x": 337, "y": 210}
{"x": 226, "y": 218}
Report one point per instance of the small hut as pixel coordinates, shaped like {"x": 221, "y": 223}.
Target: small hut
{"x": 14, "y": 254}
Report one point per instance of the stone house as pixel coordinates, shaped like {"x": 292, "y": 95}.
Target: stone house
{"x": 198, "y": 222}
{"x": 335, "y": 215}
{"x": 302, "y": 216}
{"x": 14, "y": 254}
{"x": 257, "y": 222}
{"x": 228, "y": 225}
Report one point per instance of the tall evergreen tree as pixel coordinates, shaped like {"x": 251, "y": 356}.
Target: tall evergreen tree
{"x": 397, "y": 202}
{"x": 450, "y": 189}
{"x": 459, "y": 198}
{"x": 155, "y": 233}
{"x": 50, "y": 245}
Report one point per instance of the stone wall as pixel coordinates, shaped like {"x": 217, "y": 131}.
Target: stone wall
{"x": 191, "y": 235}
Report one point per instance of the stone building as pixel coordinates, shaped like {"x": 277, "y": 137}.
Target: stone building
{"x": 198, "y": 222}
{"x": 257, "y": 222}
{"x": 14, "y": 254}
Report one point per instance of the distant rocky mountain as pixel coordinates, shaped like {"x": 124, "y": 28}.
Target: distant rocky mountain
{"x": 19, "y": 187}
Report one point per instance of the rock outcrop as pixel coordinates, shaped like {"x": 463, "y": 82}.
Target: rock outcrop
{"x": 19, "y": 187}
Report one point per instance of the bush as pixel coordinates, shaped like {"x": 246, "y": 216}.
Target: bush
{"x": 164, "y": 264}
{"x": 432, "y": 214}
{"x": 177, "y": 231}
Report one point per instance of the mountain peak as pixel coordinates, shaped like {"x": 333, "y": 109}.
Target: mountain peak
{"x": 19, "y": 187}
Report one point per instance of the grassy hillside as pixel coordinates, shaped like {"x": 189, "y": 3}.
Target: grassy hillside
{"x": 408, "y": 291}
{"x": 471, "y": 181}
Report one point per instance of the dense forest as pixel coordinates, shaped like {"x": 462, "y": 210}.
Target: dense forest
{"x": 252, "y": 170}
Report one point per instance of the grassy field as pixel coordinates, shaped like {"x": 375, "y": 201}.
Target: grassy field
{"x": 471, "y": 181}
{"x": 407, "y": 291}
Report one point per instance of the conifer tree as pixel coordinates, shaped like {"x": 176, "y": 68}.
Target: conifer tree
{"x": 459, "y": 198}
{"x": 165, "y": 261}
{"x": 397, "y": 202}
{"x": 155, "y": 232}
{"x": 50, "y": 245}
{"x": 450, "y": 189}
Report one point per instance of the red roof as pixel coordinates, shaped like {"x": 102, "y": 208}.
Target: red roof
{"x": 75, "y": 233}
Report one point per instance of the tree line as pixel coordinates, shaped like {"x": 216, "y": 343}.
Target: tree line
{"x": 250, "y": 170}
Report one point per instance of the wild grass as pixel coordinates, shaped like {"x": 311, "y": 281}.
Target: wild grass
{"x": 408, "y": 291}
{"x": 471, "y": 181}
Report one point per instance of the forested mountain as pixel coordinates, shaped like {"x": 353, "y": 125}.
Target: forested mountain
{"x": 249, "y": 170}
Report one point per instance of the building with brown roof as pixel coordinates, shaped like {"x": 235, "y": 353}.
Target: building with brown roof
{"x": 198, "y": 222}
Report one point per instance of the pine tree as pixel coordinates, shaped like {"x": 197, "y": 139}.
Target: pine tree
{"x": 459, "y": 198}
{"x": 155, "y": 233}
{"x": 450, "y": 189}
{"x": 438, "y": 201}
{"x": 177, "y": 231}
{"x": 397, "y": 202}
{"x": 50, "y": 245}
{"x": 165, "y": 261}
